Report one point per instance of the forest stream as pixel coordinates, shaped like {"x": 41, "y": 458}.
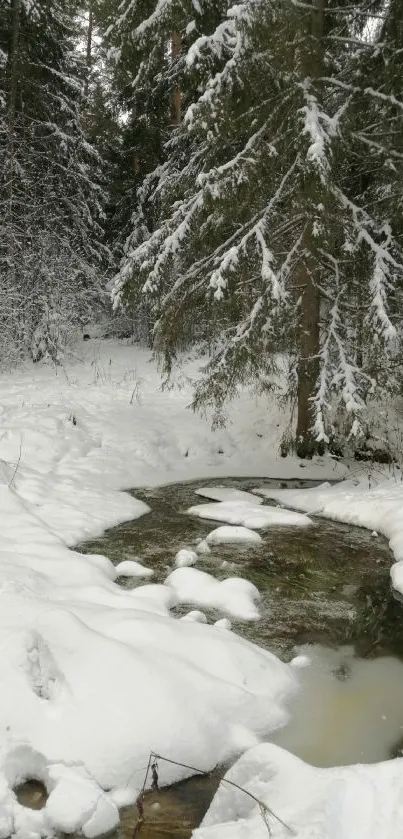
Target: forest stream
{"x": 326, "y": 593}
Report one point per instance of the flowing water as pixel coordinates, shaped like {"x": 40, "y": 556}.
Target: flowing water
{"x": 326, "y": 584}
{"x": 325, "y": 592}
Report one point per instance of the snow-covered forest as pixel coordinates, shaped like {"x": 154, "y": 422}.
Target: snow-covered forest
{"x": 232, "y": 172}
{"x": 201, "y": 419}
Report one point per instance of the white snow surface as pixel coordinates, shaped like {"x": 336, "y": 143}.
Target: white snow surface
{"x": 93, "y": 675}
{"x": 202, "y": 547}
{"x": 229, "y": 534}
{"x": 378, "y": 507}
{"x": 195, "y": 615}
{"x": 348, "y": 802}
{"x": 185, "y": 557}
{"x": 249, "y": 515}
{"x": 131, "y": 568}
{"x": 234, "y": 596}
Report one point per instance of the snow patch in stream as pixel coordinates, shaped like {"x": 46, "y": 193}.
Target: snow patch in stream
{"x": 132, "y": 568}
{"x": 234, "y": 596}
{"x": 249, "y": 515}
{"x": 228, "y": 534}
{"x": 185, "y": 557}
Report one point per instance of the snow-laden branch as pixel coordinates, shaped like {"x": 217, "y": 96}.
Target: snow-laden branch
{"x": 388, "y": 98}
{"x": 320, "y": 128}
{"x": 373, "y": 144}
{"x": 380, "y": 283}
{"x": 336, "y": 372}
{"x": 217, "y": 44}
{"x": 230, "y": 260}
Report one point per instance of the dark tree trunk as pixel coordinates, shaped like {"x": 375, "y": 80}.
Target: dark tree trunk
{"x": 10, "y": 278}
{"x": 13, "y": 89}
{"x": 308, "y": 362}
{"x": 88, "y": 56}
{"x": 306, "y": 280}
{"x": 176, "y": 93}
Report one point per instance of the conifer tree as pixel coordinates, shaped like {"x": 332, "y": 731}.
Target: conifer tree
{"x": 258, "y": 228}
{"x": 147, "y": 47}
{"x": 51, "y": 252}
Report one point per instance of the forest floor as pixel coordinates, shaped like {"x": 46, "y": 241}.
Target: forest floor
{"x": 93, "y": 675}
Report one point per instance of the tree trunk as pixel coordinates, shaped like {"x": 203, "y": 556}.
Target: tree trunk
{"x": 88, "y": 56}
{"x": 13, "y": 90}
{"x": 10, "y": 278}
{"x": 308, "y": 361}
{"x": 176, "y": 93}
{"x": 308, "y": 349}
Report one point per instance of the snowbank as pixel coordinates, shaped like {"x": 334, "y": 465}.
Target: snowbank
{"x": 379, "y": 508}
{"x": 92, "y": 679}
{"x": 93, "y": 675}
{"x": 349, "y": 802}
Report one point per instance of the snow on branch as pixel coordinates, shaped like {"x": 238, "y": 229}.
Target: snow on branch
{"x": 132, "y": 7}
{"x": 336, "y": 374}
{"x": 380, "y": 282}
{"x": 365, "y": 91}
{"x": 314, "y": 124}
{"x": 232, "y": 38}
{"x": 217, "y": 44}
{"x": 231, "y": 173}
{"x": 230, "y": 260}
{"x": 384, "y": 264}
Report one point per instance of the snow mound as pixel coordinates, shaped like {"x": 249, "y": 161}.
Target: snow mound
{"x": 75, "y": 803}
{"x": 233, "y": 534}
{"x": 202, "y": 547}
{"x": 195, "y": 615}
{"x": 131, "y": 568}
{"x": 228, "y": 494}
{"x": 185, "y": 557}
{"x": 300, "y": 661}
{"x": 223, "y": 623}
{"x": 249, "y": 515}
{"x": 235, "y": 596}
{"x": 81, "y": 646}
{"x": 348, "y": 802}
{"x": 93, "y": 675}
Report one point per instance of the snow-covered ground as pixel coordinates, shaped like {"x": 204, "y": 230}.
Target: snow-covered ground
{"x": 348, "y": 802}
{"x": 93, "y": 675}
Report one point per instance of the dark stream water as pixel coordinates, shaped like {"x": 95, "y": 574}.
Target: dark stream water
{"x": 327, "y": 585}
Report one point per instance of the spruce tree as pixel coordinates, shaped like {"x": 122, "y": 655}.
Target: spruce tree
{"x": 259, "y": 228}
{"x": 51, "y": 253}
{"x": 147, "y": 45}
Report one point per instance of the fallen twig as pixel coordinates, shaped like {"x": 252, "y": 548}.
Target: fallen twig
{"x": 265, "y": 811}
